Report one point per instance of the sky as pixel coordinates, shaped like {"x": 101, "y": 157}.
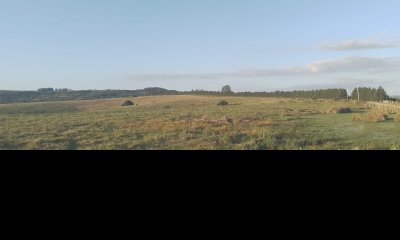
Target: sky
{"x": 252, "y": 45}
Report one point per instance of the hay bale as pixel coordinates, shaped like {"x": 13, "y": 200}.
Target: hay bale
{"x": 127, "y": 103}
{"x": 223, "y": 103}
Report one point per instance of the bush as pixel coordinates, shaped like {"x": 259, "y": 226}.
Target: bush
{"x": 340, "y": 110}
{"x": 376, "y": 117}
{"x": 127, "y": 103}
{"x": 223, "y": 103}
{"x": 345, "y": 110}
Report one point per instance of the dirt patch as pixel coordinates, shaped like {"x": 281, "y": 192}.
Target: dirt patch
{"x": 310, "y": 111}
{"x": 226, "y": 120}
{"x": 266, "y": 123}
{"x": 248, "y": 120}
{"x": 301, "y": 111}
{"x": 207, "y": 119}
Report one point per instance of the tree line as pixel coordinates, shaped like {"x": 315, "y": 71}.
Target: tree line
{"x": 65, "y": 94}
{"x": 366, "y": 94}
{"x": 370, "y": 94}
{"x": 315, "y": 94}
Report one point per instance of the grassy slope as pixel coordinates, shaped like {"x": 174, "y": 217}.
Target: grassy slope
{"x": 192, "y": 122}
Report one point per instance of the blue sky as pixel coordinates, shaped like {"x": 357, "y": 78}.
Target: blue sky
{"x": 252, "y": 45}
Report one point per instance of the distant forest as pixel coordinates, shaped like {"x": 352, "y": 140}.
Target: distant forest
{"x": 370, "y": 94}
{"x": 317, "y": 94}
{"x": 366, "y": 94}
{"x": 50, "y": 94}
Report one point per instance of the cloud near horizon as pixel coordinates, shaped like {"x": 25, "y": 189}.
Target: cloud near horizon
{"x": 356, "y": 45}
{"x": 345, "y": 65}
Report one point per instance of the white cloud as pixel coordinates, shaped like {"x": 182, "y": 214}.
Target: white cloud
{"x": 355, "y": 64}
{"x": 345, "y": 65}
{"x": 353, "y": 45}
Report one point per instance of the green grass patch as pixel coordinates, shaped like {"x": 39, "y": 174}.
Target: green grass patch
{"x": 194, "y": 122}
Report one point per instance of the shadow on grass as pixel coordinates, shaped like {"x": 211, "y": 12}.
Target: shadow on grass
{"x": 8, "y": 145}
{"x": 71, "y": 145}
{"x": 285, "y": 142}
{"x": 359, "y": 110}
{"x": 36, "y": 109}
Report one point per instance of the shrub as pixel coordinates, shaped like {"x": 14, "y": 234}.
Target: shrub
{"x": 345, "y": 110}
{"x": 127, "y": 103}
{"x": 376, "y": 117}
{"x": 340, "y": 110}
{"x": 223, "y": 103}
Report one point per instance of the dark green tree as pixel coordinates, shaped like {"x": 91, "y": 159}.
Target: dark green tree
{"x": 370, "y": 94}
{"x": 381, "y": 94}
{"x": 226, "y": 89}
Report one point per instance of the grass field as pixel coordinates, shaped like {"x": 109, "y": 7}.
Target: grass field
{"x": 194, "y": 122}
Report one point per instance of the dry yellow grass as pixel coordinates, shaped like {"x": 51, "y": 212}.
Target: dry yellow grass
{"x": 189, "y": 122}
{"x": 377, "y": 116}
{"x": 397, "y": 118}
{"x": 104, "y": 104}
{"x": 357, "y": 118}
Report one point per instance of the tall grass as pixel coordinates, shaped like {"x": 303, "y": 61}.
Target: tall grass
{"x": 377, "y": 116}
